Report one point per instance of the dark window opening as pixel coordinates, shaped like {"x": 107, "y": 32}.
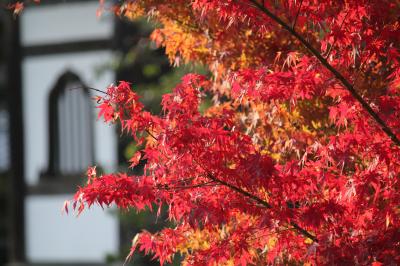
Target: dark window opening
{"x": 70, "y": 127}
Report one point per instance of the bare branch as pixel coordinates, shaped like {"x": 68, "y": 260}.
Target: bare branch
{"x": 204, "y": 184}
{"x": 262, "y": 202}
{"x": 239, "y": 190}
{"x": 297, "y": 15}
{"x": 88, "y": 88}
{"x": 148, "y": 132}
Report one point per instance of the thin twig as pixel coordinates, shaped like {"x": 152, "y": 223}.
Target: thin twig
{"x": 204, "y": 184}
{"x": 185, "y": 180}
{"x": 260, "y": 201}
{"x": 297, "y": 15}
{"x": 148, "y": 132}
{"x": 333, "y": 70}
{"x": 239, "y": 190}
{"x": 88, "y": 88}
{"x": 263, "y": 203}
{"x": 359, "y": 71}
{"x": 334, "y": 42}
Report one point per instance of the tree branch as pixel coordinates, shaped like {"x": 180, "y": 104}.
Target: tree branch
{"x": 262, "y": 202}
{"x": 239, "y": 190}
{"x": 297, "y": 15}
{"x": 88, "y": 88}
{"x": 203, "y": 184}
{"x": 151, "y": 135}
{"x": 333, "y": 70}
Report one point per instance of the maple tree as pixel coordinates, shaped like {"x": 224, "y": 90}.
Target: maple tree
{"x": 298, "y": 158}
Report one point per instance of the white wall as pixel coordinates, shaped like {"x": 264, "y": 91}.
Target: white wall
{"x": 39, "y": 76}
{"x": 64, "y": 22}
{"x": 4, "y": 141}
{"x": 52, "y": 236}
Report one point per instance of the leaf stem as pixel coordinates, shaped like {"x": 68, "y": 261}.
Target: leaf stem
{"x": 297, "y": 15}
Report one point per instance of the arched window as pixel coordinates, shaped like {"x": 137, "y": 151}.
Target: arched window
{"x": 70, "y": 127}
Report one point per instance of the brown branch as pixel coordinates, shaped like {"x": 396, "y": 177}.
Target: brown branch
{"x": 87, "y": 88}
{"x": 240, "y": 191}
{"x": 167, "y": 188}
{"x": 297, "y": 15}
{"x": 183, "y": 181}
{"x": 151, "y": 135}
{"x": 333, "y": 70}
{"x": 260, "y": 201}
{"x": 359, "y": 71}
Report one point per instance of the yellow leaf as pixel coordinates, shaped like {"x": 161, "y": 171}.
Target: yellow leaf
{"x": 308, "y": 241}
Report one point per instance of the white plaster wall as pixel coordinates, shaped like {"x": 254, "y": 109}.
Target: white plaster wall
{"x": 64, "y": 22}
{"x": 4, "y": 140}
{"x": 55, "y": 237}
{"x": 39, "y": 76}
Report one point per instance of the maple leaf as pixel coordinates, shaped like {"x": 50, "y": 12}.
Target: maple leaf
{"x": 135, "y": 159}
{"x": 16, "y": 8}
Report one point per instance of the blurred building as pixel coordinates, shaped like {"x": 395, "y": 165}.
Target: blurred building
{"x": 49, "y": 133}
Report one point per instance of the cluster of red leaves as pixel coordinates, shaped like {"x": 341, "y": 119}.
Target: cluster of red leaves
{"x": 18, "y": 6}
{"x": 335, "y": 201}
{"x": 197, "y": 164}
